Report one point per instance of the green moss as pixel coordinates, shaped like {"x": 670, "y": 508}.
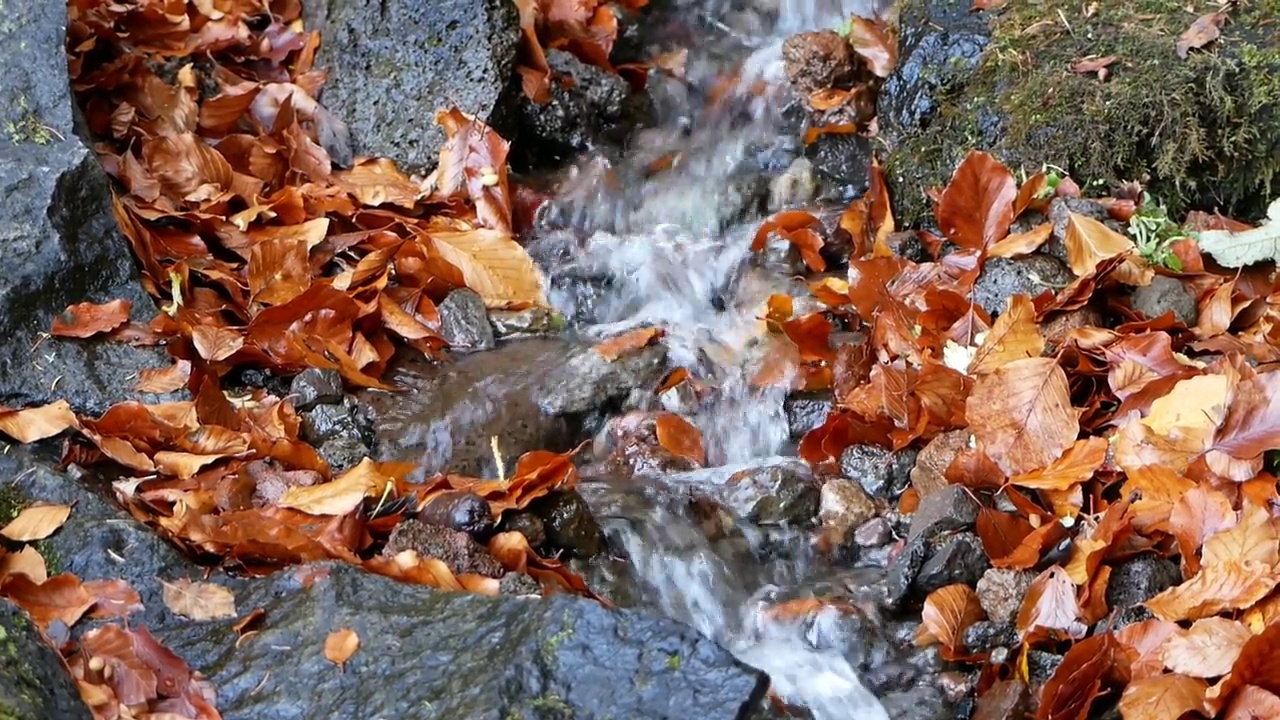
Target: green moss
{"x": 1203, "y": 131}
{"x": 28, "y": 127}
{"x": 673, "y": 662}
{"x": 552, "y": 644}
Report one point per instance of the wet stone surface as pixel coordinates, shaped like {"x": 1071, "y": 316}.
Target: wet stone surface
{"x": 1002, "y": 278}
{"x": 883, "y": 474}
{"x": 34, "y": 684}
{"x": 1166, "y": 295}
{"x": 464, "y": 322}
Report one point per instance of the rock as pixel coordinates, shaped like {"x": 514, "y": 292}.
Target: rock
{"x": 323, "y": 423}
{"x": 770, "y": 493}
{"x": 586, "y": 103}
{"x": 527, "y": 524}
{"x": 562, "y": 655}
{"x": 902, "y": 571}
{"x": 514, "y": 583}
{"x": 844, "y": 505}
{"x": 454, "y": 548}
{"x": 843, "y": 163}
{"x": 384, "y": 61}
{"x": 1060, "y": 212}
{"x": 1030, "y": 275}
{"x": 34, "y": 682}
{"x": 1029, "y": 113}
{"x": 794, "y": 188}
{"x": 536, "y": 320}
{"x": 949, "y": 509}
{"x": 1139, "y": 579}
{"x": 568, "y": 523}
{"x": 443, "y": 416}
{"x": 923, "y": 702}
{"x": 1041, "y": 664}
{"x": 873, "y": 533}
{"x": 985, "y": 636}
{"x": 958, "y": 559}
{"x": 459, "y": 510}
{"x": 586, "y": 380}
{"x": 1166, "y": 294}
{"x": 957, "y": 686}
{"x": 314, "y": 386}
{"x": 59, "y": 239}
{"x": 883, "y": 474}
{"x": 631, "y": 444}
{"x": 929, "y": 473}
{"x": 342, "y": 453}
{"x": 818, "y": 60}
{"x": 464, "y": 322}
{"x": 1057, "y": 325}
{"x": 1000, "y": 593}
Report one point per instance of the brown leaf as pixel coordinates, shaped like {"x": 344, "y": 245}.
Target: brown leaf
{"x": 493, "y": 264}
{"x": 1092, "y": 665}
{"x": 36, "y": 522}
{"x": 1201, "y": 512}
{"x": 1146, "y": 639}
{"x": 1033, "y": 547}
{"x": 61, "y": 598}
{"x": 1015, "y": 336}
{"x": 1255, "y": 538}
{"x": 875, "y": 43}
{"x": 1253, "y": 703}
{"x": 26, "y": 561}
{"x": 340, "y": 645}
{"x": 1089, "y": 242}
{"x": 473, "y": 162}
{"x": 113, "y": 598}
{"x": 1252, "y": 423}
{"x": 1203, "y": 31}
{"x": 84, "y": 320}
{"x": 216, "y": 343}
{"x": 1256, "y": 664}
{"x": 976, "y": 208}
{"x": 37, "y": 423}
{"x": 339, "y": 496}
{"x": 1050, "y": 604}
{"x": 1023, "y": 243}
{"x": 1215, "y": 589}
{"x": 628, "y": 342}
{"x": 1022, "y": 414}
{"x": 947, "y": 612}
{"x": 1074, "y": 467}
{"x": 1001, "y": 532}
{"x": 198, "y": 600}
{"x": 1162, "y": 697}
{"x": 377, "y": 181}
{"x": 1208, "y": 649}
{"x": 679, "y": 437}
{"x": 797, "y": 227}
{"x": 164, "y": 380}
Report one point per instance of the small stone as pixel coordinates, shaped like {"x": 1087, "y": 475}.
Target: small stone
{"x": 795, "y": 187}
{"x": 314, "y": 386}
{"x": 1041, "y": 664}
{"x": 844, "y": 505}
{"x": 535, "y": 320}
{"x": 923, "y": 702}
{"x": 527, "y": 524}
{"x": 455, "y": 549}
{"x": 818, "y": 60}
{"x": 1139, "y": 579}
{"x": 883, "y": 474}
{"x": 806, "y": 411}
{"x": 873, "y": 533}
{"x": 902, "y": 572}
{"x": 1056, "y": 327}
{"x": 342, "y": 453}
{"x": 1163, "y": 295}
{"x": 464, "y": 321}
{"x": 959, "y": 559}
{"x": 956, "y": 685}
{"x": 951, "y": 508}
{"x": 929, "y": 473}
{"x": 458, "y": 510}
{"x": 1002, "y": 278}
{"x": 328, "y": 422}
{"x": 514, "y": 583}
{"x": 1000, "y": 592}
{"x": 985, "y": 636}
{"x": 568, "y": 523}
{"x": 772, "y": 493}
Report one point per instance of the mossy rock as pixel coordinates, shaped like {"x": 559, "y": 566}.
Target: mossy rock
{"x": 1203, "y": 131}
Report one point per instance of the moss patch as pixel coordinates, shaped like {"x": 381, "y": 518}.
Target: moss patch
{"x": 1204, "y": 131}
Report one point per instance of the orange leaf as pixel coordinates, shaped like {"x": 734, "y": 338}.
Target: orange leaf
{"x": 37, "y": 423}
{"x": 84, "y": 320}
{"x": 493, "y": 264}
{"x": 1075, "y": 466}
{"x": 947, "y": 612}
{"x": 340, "y": 645}
{"x": 678, "y": 436}
{"x": 1015, "y": 336}
{"x": 1023, "y": 243}
{"x": 60, "y": 598}
{"x": 36, "y": 522}
{"x": 1022, "y": 414}
{"x": 1050, "y": 604}
{"x": 1208, "y": 649}
{"x": 1215, "y": 589}
{"x": 875, "y": 43}
{"x": 628, "y": 342}
{"x": 164, "y": 380}
{"x": 976, "y": 208}
{"x": 1253, "y": 703}
{"x": 216, "y": 343}
{"x": 784, "y": 222}
{"x": 1162, "y": 697}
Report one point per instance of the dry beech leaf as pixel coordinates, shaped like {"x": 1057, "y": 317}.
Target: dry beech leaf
{"x": 1203, "y": 31}
{"x": 1050, "y": 604}
{"x": 339, "y": 496}
{"x": 1253, "y": 703}
{"x": 84, "y": 320}
{"x": 1215, "y": 589}
{"x": 947, "y": 612}
{"x": 494, "y": 265}
{"x": 628, "y": 342}
{"x": 340, "y": 645}
{"x": 1074, "y": 467}
{"x": 678, "y": 436}
{"x": 61, "y": 598}
{"x": 27, "y": 561}
{"x": 1023, "y": 243}
{"x": 37, "y": 423}
{"x": 198, "y": 600}
{"x": 36, "y": 522}
{"x": 1162, "y": 697}
{"x": 976, "y": 207}
{"x": 1015, "y": 336}
{"x": 1208, "y": 649}
{"x": 1022, "y": 414}
{"x": 164, "y": 380}
{"x": 216, "y": 344}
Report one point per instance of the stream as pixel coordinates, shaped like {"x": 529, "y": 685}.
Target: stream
{"x": 626, "y": 247}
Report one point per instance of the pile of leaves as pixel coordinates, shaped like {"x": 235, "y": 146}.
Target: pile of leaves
{"x": 1083, "y": 422}
{"x": 585, "y": 28}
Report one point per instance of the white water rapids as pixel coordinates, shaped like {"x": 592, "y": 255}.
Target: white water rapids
{"x": 667, "y": 260}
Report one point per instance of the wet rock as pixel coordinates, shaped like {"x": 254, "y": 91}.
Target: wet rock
{"x": 462, "y": 511}
{"x": 922, "y": 702}
{"x": 818, "y": 60}
{"x": 586, "y": 380}
{"x": 859, "y": 638}
{"x": 873, "y": 533}
{"x": 902, "y": 571}
{"x": 883, "y": 474}
{"x": 443, "y": 416}
{"x": 985, "y": 636}
{"x": 958, "y": 559}
{"x": 949, "y": 509}
{"x": 530, "y": 321}
{"x": 60, "y": 242}
{"x": 1041, "y": 664}
{"x": 1166, "y": 294}
{"x": 586, "y": 103}
{"x": 560, "y": 654}
{"x": 844, "y": 505}
{"x": 1030, "y": 275}
{"x": 34, "y": 683}
{"x": 842, "y": 163}
{"x": 632, "y": 448}
{"x": 342, "y": 453}
{"x": 1000, "y": 592}
{"x": 1139, "y": 579}
{"x": 527, "y": 524}
{"x": 568, "y": 523}
{"x": 956, "y": 686}
{"x": 383, "y": 59}
{"x": 1005, "y": 699}
{"x": 464, "y": 322}
{"x": 928, "y": 475}
{"x": 455, "y": 549}
{"x": 514, "y": 583}
{"x": 775, "y": 493}
{"x": 323, "y": 423}
{"x": 794, "y": 188}
{"x": 314, "y": 386}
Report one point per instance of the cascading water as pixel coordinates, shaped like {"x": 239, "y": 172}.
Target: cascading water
{"x": 630, "y": 248}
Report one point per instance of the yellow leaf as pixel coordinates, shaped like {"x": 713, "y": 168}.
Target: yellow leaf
{"x": 492, "y": 264}
{"x": 1015, "y": 336}
{"x": 36, "y": 522}
{"x": 1162, "y": 697}
{"x": 1208, "y": 649}
{"x": 1089, "y": 242}
{"x": 198, "y": 600}
{"x": 340, "y": 645}
{"x": 37, "y": 423}
{"x": 340, "y": 496}
{"x": 27, "y": 561}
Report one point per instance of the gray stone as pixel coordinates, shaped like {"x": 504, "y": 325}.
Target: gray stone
{"x": 806, "y": 411}
{"x": 949, "y": 509}
{"x": 1000, "y": 592}
{"x": 464, "y": 321}
{"x": 882, "y": 473}
{"x": 923, "y": 702}
{"x": 1030, "y": 275}
{"x": 873, "y": 533}
{"x": 568, "y": 524}
{"x": 771, "y": 492}
{"x": 34, "y": 683}
{"x": 342, "y": 453}
{"x": 589, "y": 103}
{"x": 985, "y": 636}
{"x": 902, "y": 572}
{"x": 1139, "y": 579}
{"x": 59, "y": 240}
{"x": 536, "y": 320}
{"x": 586, "y": 380}
{"x": 843, "y": 163}
{"x": 1041, "y": 664}
{"x": 314, "y": 386}
{"x": 1166, "y": 294}
{"x": 393, "y": 63}
{"x": 323, "y": 423}
{"x": 844, "y": 505}
{"x": 957, "y": 559}
{"x": 527, "y": 524}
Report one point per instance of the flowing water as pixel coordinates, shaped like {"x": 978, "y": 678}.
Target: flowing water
{"x": 629, "y": 247}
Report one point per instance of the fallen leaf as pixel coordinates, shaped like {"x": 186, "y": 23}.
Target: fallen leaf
{"x": 1050, "y": 604}
{"x": 1215, "y": 589}
{"x": 1241, "y": 247}
{"x": 1162, "y": 697}
{"x": 976, "y": 207}
{"x": 1089, "y": 242}
{"x": 164, "y": 380}
{"x": 198, "y": 600}
{"x": 1074, "y": 467}
{"x": 1015, "y": 336}
{"x": 26, "y": 561}
{"x": 37, "y": 423}
{"x": 1253, "y": 703}
{"x": 1022, "y": 414}
{"x": 494, "y": 265}
{"x": 84, "y": 320}
{"x": 1023, "y": 243}
{"x": 36, "y": 522}
{"x": 947, "y": 612}
{"x": 1091, "y": 666}
{"x": 339, "y": 496}
{"x": 873, "y": 42}
{"x": 340, "y": 645}
{"x": 1203, "y": 31}
{"x": 113, "y": 598}
{"x": 679, "y": 437}
{"x": 1208, "y": 649}
{"x": 61, "y": 598}
{"x": 628, "y": 342}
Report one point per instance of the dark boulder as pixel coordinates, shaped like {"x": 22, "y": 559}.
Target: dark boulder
{"x": 393, "y": 63}
{"x": 586, "y": 104}
{"x": 34, "y": 684}
{"x": 59, "y": 240}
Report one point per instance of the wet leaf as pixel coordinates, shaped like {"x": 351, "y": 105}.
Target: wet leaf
{"x": 1089, "y": 242}
{"x": 36, "y": 522}
{"x": 1015, "y": 336}
{"x": 113, "y": 598}
{"x": 947, "y": 612}
{"x": 37, "y": 423}
{"x": 84, "y": 320}
{"x": 1050, "y": 604}
{"x": 1208, "y": 649}
{"x": 216, "y": 343}
{"x": 628, "y": 342}
{"x": 976, "y": 208}
{"x": 873, "y": 42}
{"x": 1162, "y": 697}
{"x": 1092, "y": 665}
{"x": 340, "y": 496}
{"x": 679, "y": 437}
{"x": 340, "y": 645}
{"x": 61, "y": 598}
{"x": 198, "y": 600}
{"x": 1022, "y": 414}
{"x": 492, "y": 264}
{"x": 164, "y": 380}
{"x": 1075, "y": 466}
